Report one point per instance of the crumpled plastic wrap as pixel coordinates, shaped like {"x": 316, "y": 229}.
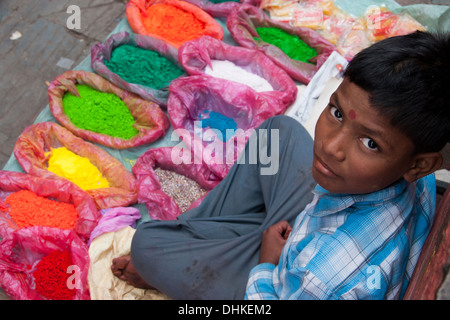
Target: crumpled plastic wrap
{"x": 195, "y": 55}
{"x": 102, "y": 51}
{"x": 60, "y": 190}
{"x": 159, "y": 204}
{"x": 136, "y": 13}
{"x": 22, "y": 249}
{"x": 242, "y": 23}
{"x": 114, "y": 219}
{"x": 102, "y": 283}
{"x": 151, "y": 121}
{"x": 191, "y": 96}
{"x": 39, "y": 138}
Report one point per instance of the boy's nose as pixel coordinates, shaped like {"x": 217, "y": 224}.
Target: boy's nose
{"x": 334, "y": 145}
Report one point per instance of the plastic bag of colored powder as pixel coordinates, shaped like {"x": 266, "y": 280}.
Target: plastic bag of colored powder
{"x": 32, "y": 153}
{"x": 99, "y": 112}
{"x": 149, "y": 124}
{"x": 196, "y": 55}
{"x": 75, "y": 168}
{"x": 52, "y": 190}
{"x": 225, "y": 69}
{"x": 194, "y": 98}
{"x": 291, "y": 45}
{"x": 51, "y": 276}
{"x": 242, "y": 23}
{"x": 28, "y": 209}
{"x": 161, "y": 204}
{"x": 21, "y": 252}
{"x": 142, "y": 66}
{"x": 220, "y": 8}
{"x": 217, "y": 123}
{"x": 172, "y": 21}
{"x": 101, "y": 53}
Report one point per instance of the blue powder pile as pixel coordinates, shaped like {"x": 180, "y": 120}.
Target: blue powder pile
{"x": 219, "y": 122}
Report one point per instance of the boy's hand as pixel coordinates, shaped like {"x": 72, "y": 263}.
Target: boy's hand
{"x": 273, "y": 241}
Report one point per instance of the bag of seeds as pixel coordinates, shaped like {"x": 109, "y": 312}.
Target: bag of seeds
{"x": 248, "y": 67}
{"x": 215, "y": 117}
{"x": 299, "y": 51}
{"x": 42, "y": 263}
{"x": 94, "y": 109}
{"x": 27, "y": 200}
{"x": 171, "y": 20}
{"x": 140, "y": 64}
{"x": 167, "y": 185}
{"x": 48, "y": 150}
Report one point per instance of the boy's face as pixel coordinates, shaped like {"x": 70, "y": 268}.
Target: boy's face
{"x": 357, "y": 150}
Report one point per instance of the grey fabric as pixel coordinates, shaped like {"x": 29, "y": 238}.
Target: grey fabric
{"x": 207, "y": 252}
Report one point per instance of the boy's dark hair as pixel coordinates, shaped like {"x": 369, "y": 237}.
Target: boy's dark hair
{"x": 408, "y": 80}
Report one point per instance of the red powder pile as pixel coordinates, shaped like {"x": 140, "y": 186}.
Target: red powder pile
{"x": 28, "y": 209}
{"x": 51, "y": 276}
{"x": 172, "y": 23}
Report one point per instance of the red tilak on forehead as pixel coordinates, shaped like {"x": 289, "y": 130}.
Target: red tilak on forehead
{"x": 352, "y": 114}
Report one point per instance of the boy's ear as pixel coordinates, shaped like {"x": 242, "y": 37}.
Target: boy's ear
{"x": 423, "y": 164}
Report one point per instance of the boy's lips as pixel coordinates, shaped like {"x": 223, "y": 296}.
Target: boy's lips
{"x": 323, "y": 168}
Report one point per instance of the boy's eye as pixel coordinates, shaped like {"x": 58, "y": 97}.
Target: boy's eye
{"x": 369, "y": 143}
{"x": 336, "y": 113}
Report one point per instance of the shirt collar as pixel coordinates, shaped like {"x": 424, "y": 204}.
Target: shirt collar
{"x": 326, "y": 203}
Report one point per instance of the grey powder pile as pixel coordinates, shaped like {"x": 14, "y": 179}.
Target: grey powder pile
{"x": 181, "y": 189}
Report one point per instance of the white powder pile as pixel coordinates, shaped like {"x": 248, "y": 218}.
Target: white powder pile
{"x": 227, "y": 70}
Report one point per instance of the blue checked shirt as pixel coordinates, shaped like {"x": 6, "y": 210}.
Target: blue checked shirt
{"x": 351, "y": 246}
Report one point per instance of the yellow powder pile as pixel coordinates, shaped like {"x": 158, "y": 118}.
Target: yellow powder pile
{"x": 75, "y": 168}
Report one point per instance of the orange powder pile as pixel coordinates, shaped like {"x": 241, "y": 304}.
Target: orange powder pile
{"x": 172, "y": 23}
{"x": 28, "y": 209}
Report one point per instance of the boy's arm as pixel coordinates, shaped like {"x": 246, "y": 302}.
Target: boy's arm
{"x": 273, "y": 240}
{"x": 264, "y": 281}
{"x": 260, "y": 284}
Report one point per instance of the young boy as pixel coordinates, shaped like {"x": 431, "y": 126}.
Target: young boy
{"x": 375, "y": 146}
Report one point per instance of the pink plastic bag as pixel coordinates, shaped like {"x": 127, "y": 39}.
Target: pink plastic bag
{"x": 38, "y": 139}
{"x": 159, "y": 204}
{"x": 221, "y": 9}
{"x": 136, "y": 11}
{"x": 21, "y": 250}
{"x": 242, "y": 23}
{"x": 60, "y": 190}
{"x": 192, "y": 96}
{"x": 114, "y": 219}
{"x": 195, "y": 55}
{"x": 102, "y": 51}
{"x": 151, "y": 121}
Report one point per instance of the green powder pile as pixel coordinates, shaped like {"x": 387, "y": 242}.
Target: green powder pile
{"x": 141, "y": 66}
{"x": 291, "y": 45}
{"x": 100, "y": 112}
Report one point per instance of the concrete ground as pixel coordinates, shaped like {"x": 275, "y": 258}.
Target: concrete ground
{"x": 44, "y": 48}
